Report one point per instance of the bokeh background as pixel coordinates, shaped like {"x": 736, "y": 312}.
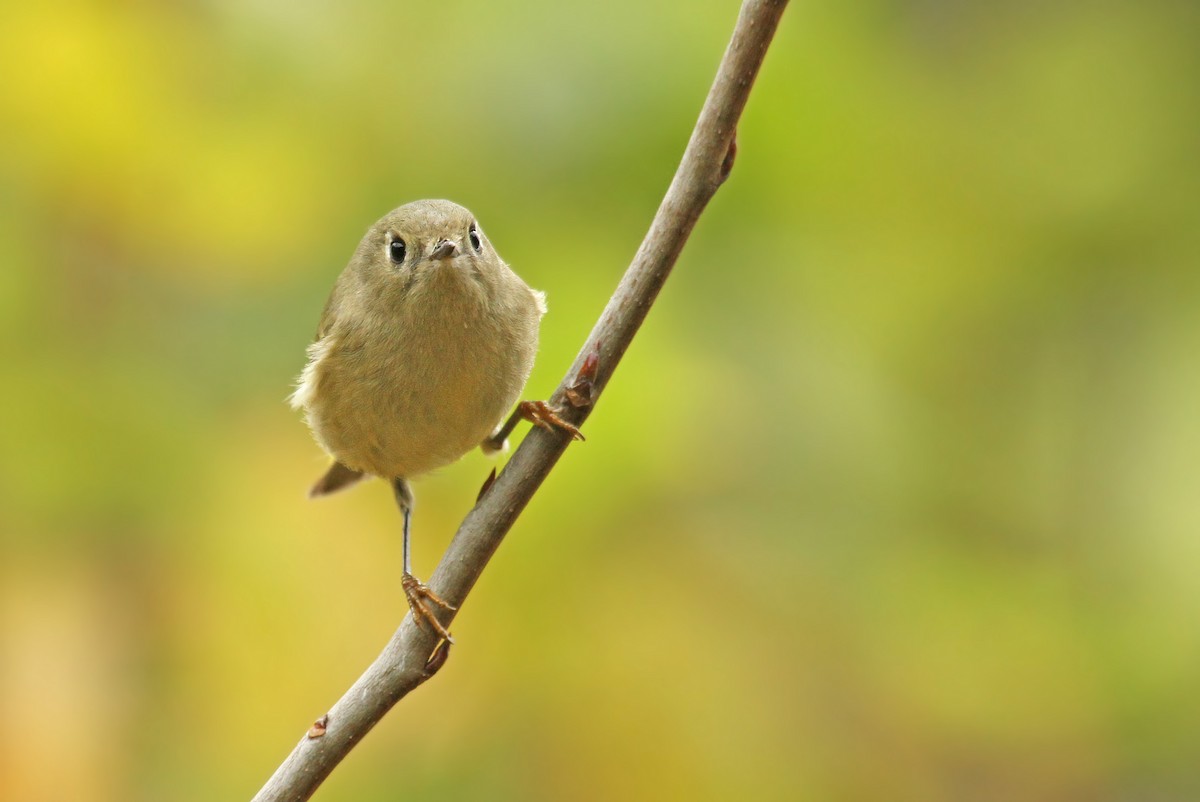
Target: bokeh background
{"x": 894, "y": 497}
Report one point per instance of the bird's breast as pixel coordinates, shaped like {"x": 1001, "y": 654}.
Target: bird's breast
{"x": 410, "y": 393}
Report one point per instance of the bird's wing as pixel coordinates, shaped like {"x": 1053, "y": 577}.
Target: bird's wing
{"x": 328, "y": 315}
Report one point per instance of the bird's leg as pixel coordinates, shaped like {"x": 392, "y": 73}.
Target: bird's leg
{"x": 416, "y": 591}
{"x": 540, "y": 414}
{"x": 499, "y": 439}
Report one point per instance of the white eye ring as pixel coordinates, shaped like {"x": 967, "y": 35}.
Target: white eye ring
{"x": 473, "y": 236}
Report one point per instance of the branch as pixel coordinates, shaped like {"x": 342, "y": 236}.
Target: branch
{"x": 413, "y": 654}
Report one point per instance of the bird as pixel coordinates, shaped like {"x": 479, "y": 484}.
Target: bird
{"x": 423, "y": 348}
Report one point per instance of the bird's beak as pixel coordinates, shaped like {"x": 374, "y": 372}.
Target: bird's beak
{"x": 445, "y": 249}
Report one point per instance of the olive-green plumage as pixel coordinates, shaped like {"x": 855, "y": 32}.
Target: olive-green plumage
{"x": 424, "y": 346}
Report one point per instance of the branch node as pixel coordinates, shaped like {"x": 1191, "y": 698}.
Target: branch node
{"x": 441, "y": 653}
{"x": 487, "y": 483}
{"x": 727, "y": 162}
{"x": 318, "y": 727}
{"x": 582, "y": 392}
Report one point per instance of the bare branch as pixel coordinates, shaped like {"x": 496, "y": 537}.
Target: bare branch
{"x": 411, "y": 657}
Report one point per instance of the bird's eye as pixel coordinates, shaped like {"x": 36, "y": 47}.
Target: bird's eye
{"x": 396, "y": 250}
{"x": 473, "y": 235}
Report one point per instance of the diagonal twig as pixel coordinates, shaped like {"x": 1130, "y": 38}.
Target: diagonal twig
{"x": 413, "y": 654}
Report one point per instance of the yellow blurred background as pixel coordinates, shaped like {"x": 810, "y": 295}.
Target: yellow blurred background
{"x": 894, "y": 497}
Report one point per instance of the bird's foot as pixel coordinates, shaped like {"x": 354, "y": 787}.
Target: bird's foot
{"x": 542, "y": 415}
{"x": 419, "y": 595}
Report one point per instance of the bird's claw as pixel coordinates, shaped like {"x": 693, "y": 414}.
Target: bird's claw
{"x": 417, "y": 594}
{"x": 542, "y": 415}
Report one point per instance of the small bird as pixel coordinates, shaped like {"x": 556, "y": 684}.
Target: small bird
{"x": 424, "y": 346}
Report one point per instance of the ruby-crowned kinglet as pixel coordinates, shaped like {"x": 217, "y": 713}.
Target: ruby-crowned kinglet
{"x": 424, "y": 346}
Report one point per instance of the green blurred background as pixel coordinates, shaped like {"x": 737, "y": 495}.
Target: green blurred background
{"x": 894, "y": 497}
